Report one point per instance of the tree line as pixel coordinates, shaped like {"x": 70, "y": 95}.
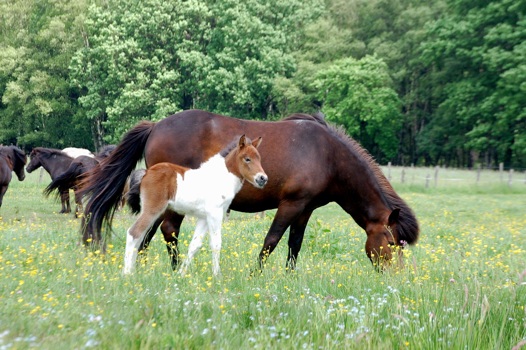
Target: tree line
{"x": 414, "y": 82}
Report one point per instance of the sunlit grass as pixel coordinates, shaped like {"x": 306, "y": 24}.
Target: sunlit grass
{"x": 463, "y": 285}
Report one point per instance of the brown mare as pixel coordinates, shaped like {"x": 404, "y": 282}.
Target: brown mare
{"x": 55, "y": 162}
{"x": 70, "y": 179}
{"x": 12, "y": 159}
{"x": 309, "y": 164}
{"x": 205, "y": 193}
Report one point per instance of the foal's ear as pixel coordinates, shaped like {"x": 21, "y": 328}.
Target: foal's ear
{"x": 257, "y": 142}
{"x": 242, "y": 141}
{"x": 393, "y": 217}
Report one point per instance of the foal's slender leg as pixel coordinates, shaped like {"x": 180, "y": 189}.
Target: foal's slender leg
{"x": 171, "y": 227}
{"x": 214, "y": 227}
{"x": 135, "y": 236}
{"x": 297, "y": 232}
{"x": 149, "y": 235}
{"x": 195, "y": 244}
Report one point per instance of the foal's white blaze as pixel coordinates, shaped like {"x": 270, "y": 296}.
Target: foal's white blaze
{"x": 205, "y": 193}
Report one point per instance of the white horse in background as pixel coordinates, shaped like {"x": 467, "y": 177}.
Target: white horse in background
{"x": 75, "y": 152}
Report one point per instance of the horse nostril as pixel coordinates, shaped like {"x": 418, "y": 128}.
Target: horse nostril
{"x": 261, "y": 180}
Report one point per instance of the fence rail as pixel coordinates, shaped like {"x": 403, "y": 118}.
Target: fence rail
{"x": 448, "y": 177}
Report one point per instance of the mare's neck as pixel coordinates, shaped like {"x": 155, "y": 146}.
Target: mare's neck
{"x": 360, "y": 190}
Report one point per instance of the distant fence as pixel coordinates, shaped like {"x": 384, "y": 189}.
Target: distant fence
{"x": 446, "y": 177}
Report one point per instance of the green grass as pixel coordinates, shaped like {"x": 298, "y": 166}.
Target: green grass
{"x": 463, "y": 287}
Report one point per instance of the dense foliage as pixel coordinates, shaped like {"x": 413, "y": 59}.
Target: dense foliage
{"x": 413, "y": 81}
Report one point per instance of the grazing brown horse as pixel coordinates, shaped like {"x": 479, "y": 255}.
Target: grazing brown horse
{"x": 309, "y": 164}
{"x": 12, "y": 159}
{"x": 55, "y": 162}
{"x": 205, "y": 193}
{"x": 70, "y": 179}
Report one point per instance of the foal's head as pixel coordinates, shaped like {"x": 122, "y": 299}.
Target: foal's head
{"x": 245, "y": 162}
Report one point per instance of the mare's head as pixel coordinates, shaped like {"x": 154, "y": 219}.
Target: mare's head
{"x": 18, "y": 160}
{"x": 384, "y": 240}
{"x": 244, "y": 161}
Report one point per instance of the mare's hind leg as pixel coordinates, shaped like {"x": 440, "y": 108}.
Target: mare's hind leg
{"x": 64, "y": 198}
{"x": 297, "y": 232}
{"x": 78, "y": 204}
{"x": 170, "y": 228}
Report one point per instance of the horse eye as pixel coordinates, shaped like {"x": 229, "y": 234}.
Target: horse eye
{"x": 247, "y": 160}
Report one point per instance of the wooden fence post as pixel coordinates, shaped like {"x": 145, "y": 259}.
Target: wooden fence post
{"x": 501, "y": 171}
{"x": 403, "y": 175}
{"x": 510, "y": 177}
{"x": 389, "y": 171}
{"x": 436, "y": 175}
{"x": 478, "y": 173}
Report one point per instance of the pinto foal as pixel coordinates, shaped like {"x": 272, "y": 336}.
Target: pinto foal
{"x": 204, "y": 193}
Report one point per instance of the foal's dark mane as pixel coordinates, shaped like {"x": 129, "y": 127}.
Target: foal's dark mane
{"x": 407, "y": 222}
{"x": 230, "y": 147}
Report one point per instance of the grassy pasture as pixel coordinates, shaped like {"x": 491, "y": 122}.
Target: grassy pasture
{"x": 463, "y": 287}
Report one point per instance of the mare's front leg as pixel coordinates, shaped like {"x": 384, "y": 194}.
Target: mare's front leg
{"x": 297, "y": 232}
{"x": 171, "y": 227}
{"x": 195, "y": 244}
{"x": 287, "y": 213}
{"x": 3, "y": 190}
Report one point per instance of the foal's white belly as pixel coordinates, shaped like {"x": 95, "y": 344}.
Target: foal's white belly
{"x": 201, "y": 195}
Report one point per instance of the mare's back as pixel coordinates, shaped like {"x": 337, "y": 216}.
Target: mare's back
{"x": 296, "y": 155}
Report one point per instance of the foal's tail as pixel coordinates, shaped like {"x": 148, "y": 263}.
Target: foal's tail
{"x": 66, "y": 180}
{"x": 104, "y": 184}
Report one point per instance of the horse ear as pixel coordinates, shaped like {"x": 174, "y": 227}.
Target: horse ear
{"x": 393, "y": 217}
{"x": 257, "y": 142}
{"x": 242, "y": 141}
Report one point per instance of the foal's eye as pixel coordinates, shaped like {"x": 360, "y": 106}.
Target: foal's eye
{"x": 247, "y": 160}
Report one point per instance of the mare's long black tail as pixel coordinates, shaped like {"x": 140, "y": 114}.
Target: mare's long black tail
{"x": 104, "y": 184}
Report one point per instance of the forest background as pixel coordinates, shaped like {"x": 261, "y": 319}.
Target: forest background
{"x": 415, "y": 82}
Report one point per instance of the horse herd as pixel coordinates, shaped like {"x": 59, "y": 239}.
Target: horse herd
{"x": 201, "y": 164}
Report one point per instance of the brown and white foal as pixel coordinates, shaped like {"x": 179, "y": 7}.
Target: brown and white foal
{"x": 205, "y": 193}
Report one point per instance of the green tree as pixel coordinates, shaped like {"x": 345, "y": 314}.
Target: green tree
{"x": 358, "y": 94}
{"x": 38, "y": 107}
{"x": 477, "y": 52}
{"x": 149, "y": 59}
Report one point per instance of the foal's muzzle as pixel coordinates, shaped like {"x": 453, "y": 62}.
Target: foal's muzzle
{"x": 261, "y": 180}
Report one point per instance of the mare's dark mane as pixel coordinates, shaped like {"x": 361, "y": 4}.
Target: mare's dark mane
{"x": 407, "y": 222}
{"x": 316, "y": 117}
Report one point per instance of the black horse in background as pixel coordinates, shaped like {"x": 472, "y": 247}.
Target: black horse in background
{"x": 71, "y": 178}
{"x": 12, "y": 159}
{"x": 55, "y": 162}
